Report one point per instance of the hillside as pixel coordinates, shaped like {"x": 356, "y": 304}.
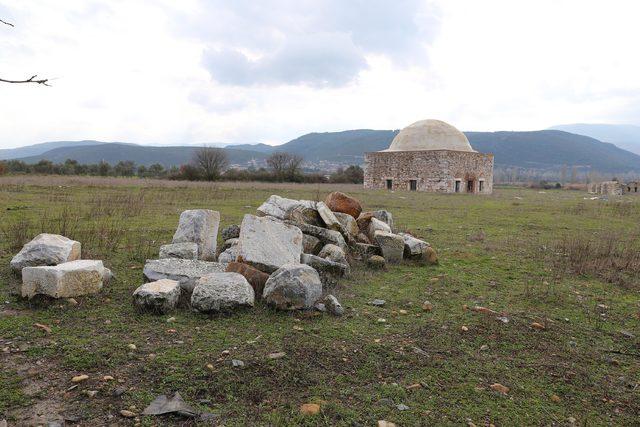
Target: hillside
{"x": 543, "y": 149}
{"x": 36, "y": 149}
{"x": 624, "y": 136}
{"x": 142, "y": 155}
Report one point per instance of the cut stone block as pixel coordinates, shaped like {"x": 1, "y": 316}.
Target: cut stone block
{"x": 221, "y": 292}
{"x": 392, "y": 246}
{"x": 413, "y": 247}
{"x": 184, "y": 271}
{"x": 46, "y": 249}
{"x": 340, "y": 202}
{"x": 267, "y": 243}
{"x": 292, "y": 287}
{"x": 66, "y": 280}
{"x": 199, "y": 226}
{"x": 324, "y": 235}
{"x": 160, "y": 296}
{"x": 279, "y": 207}
{"x": 330, "y": 272}
{"x": 186, "y": 250}
{"x": 330, "y": 220}
{"x": 377, "y": 225}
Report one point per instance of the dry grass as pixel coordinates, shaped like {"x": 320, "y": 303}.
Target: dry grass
{"x": 610, "y": 256}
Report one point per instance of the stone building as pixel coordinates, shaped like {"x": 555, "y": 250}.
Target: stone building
{"x": 606, "y": 188}
{"x": 430, "y": 155}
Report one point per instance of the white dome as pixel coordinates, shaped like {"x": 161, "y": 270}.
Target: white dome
{"x": 430, "y": 135}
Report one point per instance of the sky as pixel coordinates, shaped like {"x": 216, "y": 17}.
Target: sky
{"x": 244, "y": 71}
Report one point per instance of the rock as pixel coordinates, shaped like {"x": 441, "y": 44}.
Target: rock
{"x": 293, "y": 286}
{"x": 305, "y": 214}
{"x": 311, "y": 245}
{"x": 199, "y": 226}
{"x": 349, "y": 225}
{"x": 278, "y": 207}
{"x": 255, "y": 277}
{"x": 365, "y": 250}
{"x": 324, "y": 235}
{"x": 429, "y": 256}
{"x": 330, "y": 220}
{"x": 46, "y": 249}
{"x": 230, "y": 232}
{"x": 340, "y": 202}
{"x": 320, "y": 307}
{"x": 278, "y": 355}
{"x": 186, "y": 250}
{"x": 236, "y": 363}
{"x": 333, "y": 306}
{"x": 107, "y": 276}
{"x": 333, "y": 253}
{"x": 79, "y": 378}
{"x": 363, "y": 221}
{"x": 310, "y": 409}
{"x": 229, "y": 244}
{"x": 384, "y": 216}
{"x": 383, "y": 423}
{"x": 267, "y": 244}
{"x": 185, "y": 271}
{"x": 402, "y": 407}
{"x": 392, "y": 246}
{"x": 132, "y": 347}
{"x": 378, "y": 302}
{"x": 499, "y": 388}
{"x": 229, "y": 255}
{"x": 427, "y": 306}
{"x": 330, "y": 272}
{"x": 66, "y": 280}
{"x": 221, "y": 292}
{"x": 128, "y": 414}
{"x": 362, "y": 238}
{"x": 160, "y": 296}
{"x": 376, "y": 262}
{"x": 413, "y": 247}
{"x": 539, "y": 326}
{"x": 377, "y": 225}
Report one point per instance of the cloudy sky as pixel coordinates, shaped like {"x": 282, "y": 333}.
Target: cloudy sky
{"x": 208, "y": 71}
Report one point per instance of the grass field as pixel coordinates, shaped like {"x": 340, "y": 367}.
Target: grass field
{"x": 518, "y": 252}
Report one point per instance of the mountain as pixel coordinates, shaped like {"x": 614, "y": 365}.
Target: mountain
{"x": 34, "y": 150}
{"x": 624, "y": 136}
{"x": 544, "y": 149}
{"x": 140, "y": 154}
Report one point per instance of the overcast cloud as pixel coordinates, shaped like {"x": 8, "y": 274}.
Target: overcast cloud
{"x": 198, "y": 71}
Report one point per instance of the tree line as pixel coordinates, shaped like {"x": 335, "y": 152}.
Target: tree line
{"x": 207, "y": 164}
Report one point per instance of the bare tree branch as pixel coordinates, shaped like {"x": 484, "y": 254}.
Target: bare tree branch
{"x": 32, "y": 79}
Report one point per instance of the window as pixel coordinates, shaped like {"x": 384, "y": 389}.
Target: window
{"x": 389, "y": 184}
{"x": 457, "y": 186}
{"x": 413, "y": 185}
{"x": 480, "y": 186}
{"x": 469, "y": 186}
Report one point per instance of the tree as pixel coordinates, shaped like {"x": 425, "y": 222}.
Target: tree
{"x": 285, "y": 166}
{"x": 353, "y": 175}
{"x": 211, "y": 162}
{"x": 156, "y": 170}
{"x": 32, "y": 79}
{"x": 125, "y": 168}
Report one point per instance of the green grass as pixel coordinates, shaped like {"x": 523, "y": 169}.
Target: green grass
{"x": 352, "y": 365}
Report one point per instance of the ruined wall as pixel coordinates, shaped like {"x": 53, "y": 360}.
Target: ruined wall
{"x": 434, "y": 171}
{"x": 606, "y": 188}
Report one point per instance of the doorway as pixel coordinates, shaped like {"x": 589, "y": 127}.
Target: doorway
{"x": 389, "y": 184}
{"x": 413, "y": 185}
{"x": 470, "y": 186}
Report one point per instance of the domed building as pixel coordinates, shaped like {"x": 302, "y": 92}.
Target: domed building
{"x": 430, "y": 155}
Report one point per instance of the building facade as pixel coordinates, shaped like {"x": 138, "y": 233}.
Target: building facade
{"x": 430, "y": 155}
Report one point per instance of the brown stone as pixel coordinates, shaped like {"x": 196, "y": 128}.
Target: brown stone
{"x": 310, "y": 408}
{"x": 340, "y": 202}
{"x": 363, "y": 222}
{"x": 255, "y": 277}
{"x": 430, "y": 256}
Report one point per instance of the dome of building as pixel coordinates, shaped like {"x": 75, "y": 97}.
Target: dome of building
{"x": 429, "y": 135}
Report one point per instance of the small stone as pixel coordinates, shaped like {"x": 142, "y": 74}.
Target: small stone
{"x": 127, "y": 414}
{"x": 539, "y": 326}
{"x": 278, "y": 355}
{"x": 627, "y": 334}
{"x": 555, "y": 398}
{"x": 484, "y": 347}
{"x": 378, "y": 302}
{"x": 376, "y": 262}
{"x": 381, "y": 320}
{"x": 107, "y": 378}
{"x": 402, "y": 407}
{"x": 464, "y": 329}
{"x": 72, "y": 301}
{"x": 79, "y": 378}
{"x": 427, "y": 306}
{"x": 310, "y": 409}
{"x": 333, "y": 305}
{"x": 320, "y": 307}
{"x": 237, "y": 363}
{"x": 383, "y": 423}
{"x": 414, "y": 386}
{"x": 403, "y": 311}
{"x": 571, "y": 420}
{"x": 90, "y": 393}
{"x": 499, "y": 388}
{"x": 171, "y": 319}
{"x": 210, "y": 366}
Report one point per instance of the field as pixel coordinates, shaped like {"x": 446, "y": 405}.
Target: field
{"x": 555, "y": 258}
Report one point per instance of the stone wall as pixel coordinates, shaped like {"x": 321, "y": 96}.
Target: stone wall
{"x": 606, "y": 188}
{"x": 434, "y": 171}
